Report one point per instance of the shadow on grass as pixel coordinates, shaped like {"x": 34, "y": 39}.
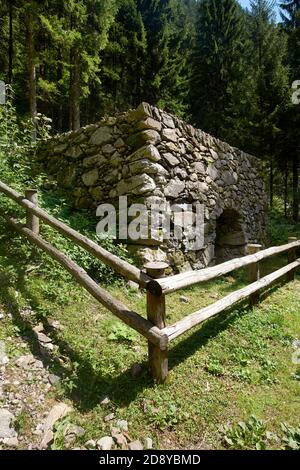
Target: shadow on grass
{"x": 86, "y": 386}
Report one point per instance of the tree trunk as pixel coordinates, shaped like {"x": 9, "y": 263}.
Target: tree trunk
{"x": 295, "y": 187}
{"x": 10, "y": 44}
{"x": 271, "y": 183}
{"x": 60, "y": 109}
{"x": 286, "y": 181}
{"x": 31, "y": 71}
{"x": 75, "y": 91}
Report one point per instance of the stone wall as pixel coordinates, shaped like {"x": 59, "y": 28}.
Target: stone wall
{"x": 149, "y": 155}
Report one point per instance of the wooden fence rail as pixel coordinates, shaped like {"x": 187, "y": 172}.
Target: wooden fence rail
{"x": 119, "y": 265}
{"x": 154, "y": 329}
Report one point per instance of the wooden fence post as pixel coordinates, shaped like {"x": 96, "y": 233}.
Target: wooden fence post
{"x": 32, "y": 221}
{"x": 254, "y": 271}
{"x": 291, "y": 258}
{"x": 156, "y": 312}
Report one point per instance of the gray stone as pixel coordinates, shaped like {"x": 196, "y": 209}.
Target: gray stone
{"x": 148, "y": 152}
{"x": 135, "y": 445}
{"x": 212, "y": 172}
{"x": 116, "y": 160}
{"x": 11, "y": 442}
{"x": 148, "y": 443}
{"x": 56, "y": 413}
{"x": 91, "y": 177}
{"x": 146, "y": 166}
{"x": 229, "y": 178}
{"x": 214, "y": 154}
{"x": 120, "y": 440}
{"x": 104, "y": 400}
{"x": 73, "y": 431}
{"x": 168, "y": 121}
{"x": 122, "y": 424}
{"x": 101, "y": 136}
{"x": 139, "y": 184}
{"x": 42, "y": 338}
{"x": 143, "y": 111}
{"x": 170, "y": 134}
{"x": 26, "y": 362}
{"x": 199, "y": 167}
{"x": 174, "y": 188}
{"x": 171, "y": 159}
{"x": 74, "y": 152}
{"x": 59, "y": 149}
{"x": 105, "y": 443}
{"x": 119, "y": 143}
{"x": 93, "y": 161}
{"x": 108, "y": 149}
{"x": 3, "y": 357}
{"x": 183, "y": 299}
{"x": 97, "y": 193}
{"x": 6, "y": 420}
{"x": 133, "y": 286}
{"x": 193, "y": 166}
{"x": 144, "y": 137}
{"x": 150, "y": 123}
{"x": 91, "y": 444}
{"x": 54, "y": 379}
{"x": 109, "y": 417}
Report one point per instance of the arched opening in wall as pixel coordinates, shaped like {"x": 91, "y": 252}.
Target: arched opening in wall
{"x": 231, "y": 240}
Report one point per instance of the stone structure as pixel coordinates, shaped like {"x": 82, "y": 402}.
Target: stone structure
{"x": 150, "y": 155}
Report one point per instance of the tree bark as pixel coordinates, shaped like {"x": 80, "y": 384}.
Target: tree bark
{"x": 295, "y": 187}
{"x": 10, "y": 44}
{"x": 75, "y": 91}
{"x": 286, "y": 180}
{"x": 31, "y": 71}
{"x": 271, "y": 183}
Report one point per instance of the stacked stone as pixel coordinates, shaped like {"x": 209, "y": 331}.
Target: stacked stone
{"x": 149, "y": 156}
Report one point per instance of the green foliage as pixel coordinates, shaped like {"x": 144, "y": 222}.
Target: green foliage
{"x": 291, "y": 437}
{"x": 165, "y": 415}
{"x": 279, "y": 228}
{"x": 219, "y": 69}
{"x": 215, "y": 368}
{"x": 251, "y": 434}
{"x": 121, "y": 332}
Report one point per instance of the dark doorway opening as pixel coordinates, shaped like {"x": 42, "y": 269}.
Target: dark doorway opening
{"x": 231, "y": 241}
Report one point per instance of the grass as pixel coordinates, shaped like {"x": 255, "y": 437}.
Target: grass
{"x": 236, "y": 365}
{"x": 232, "y": 381}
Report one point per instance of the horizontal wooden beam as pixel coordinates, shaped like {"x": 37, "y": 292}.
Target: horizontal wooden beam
{"x": 200, "y": 316}
{"x": 132, "y": 319}
{"x": 180, "y": 281}
{"x": 120, "y": 266}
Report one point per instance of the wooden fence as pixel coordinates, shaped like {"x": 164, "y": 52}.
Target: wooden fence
{"x": 154, "y": 328}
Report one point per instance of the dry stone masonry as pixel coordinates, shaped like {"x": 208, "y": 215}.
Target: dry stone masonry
{"x": 151, "y": 156}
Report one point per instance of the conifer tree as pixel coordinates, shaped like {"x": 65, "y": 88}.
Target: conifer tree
{"x": 218, "y": 66}
{"x": 268, "y": 55}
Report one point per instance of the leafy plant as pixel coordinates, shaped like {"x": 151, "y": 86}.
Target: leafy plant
{"x": 215, "y": 368}
{"x": 121, "y": 332}
{"x": 166, "y": 416}
{"x": 251, "y": 434}
{"x": 291, "y": 437}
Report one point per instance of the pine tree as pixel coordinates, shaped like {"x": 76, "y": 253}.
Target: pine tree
{"x": 289, "y": 12}
{"x": 219, "y": 68}
{"x": 270, "y": 77}
{"x": 291, "y": 17}
{"x": 122, "y": 70}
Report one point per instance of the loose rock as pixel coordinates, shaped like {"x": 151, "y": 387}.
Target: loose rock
{"x": 105, "y": 443}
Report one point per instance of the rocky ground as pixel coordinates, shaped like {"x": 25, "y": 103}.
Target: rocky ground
{"x": 29, "y": 410}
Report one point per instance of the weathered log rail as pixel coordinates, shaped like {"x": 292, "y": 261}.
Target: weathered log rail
{"x": 154, "y": 328}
